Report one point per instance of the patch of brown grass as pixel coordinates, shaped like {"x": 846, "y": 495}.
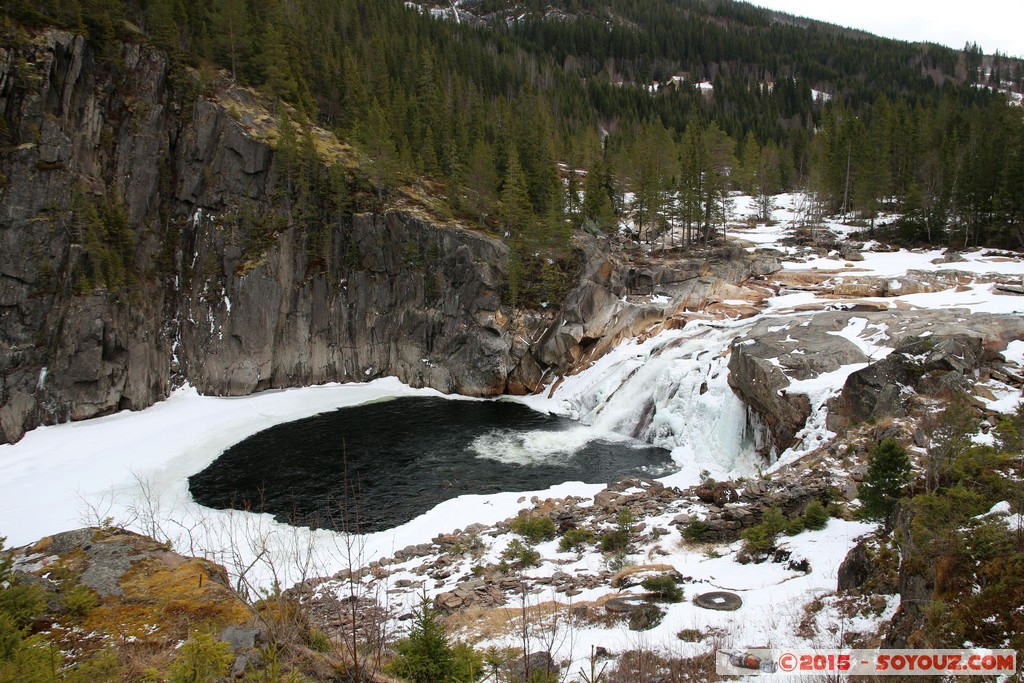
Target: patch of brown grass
{"x": 485, "y": 623}
{"x": 640, "y": 569}
{"x": 42, "y": 545}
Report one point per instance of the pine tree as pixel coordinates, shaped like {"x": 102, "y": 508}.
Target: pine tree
{"x": 426, "y": 655}
{"x": 481, "y": 180}
{"x": 377, "y": 141}
{"x": 766, "y": 180}
{"x": 517, "y": 217}
{"x": 693, "y": 174}
{"x": 277, "y": 61}
{"x": 652, "y": 171}
{"x": 597, "y": 211}
{"x": 872, "y": 177}
{"x": 518, "y": 225}
{"x": 1009, "y": 199}
{"x": 162, "y": 26}
{"x": 355, "y": 96}
{"x": 888, "y": 473}
{"x": 286, "y": 147}
{"x": 232, "y": 30}
{"x": 202, "y": 658}
{"x": 750, "y": 159}
{"x": 534, "y": 140}
{"x": 718, "y": 164}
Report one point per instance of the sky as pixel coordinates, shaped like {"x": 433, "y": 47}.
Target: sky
{"x": 993, "y": 24}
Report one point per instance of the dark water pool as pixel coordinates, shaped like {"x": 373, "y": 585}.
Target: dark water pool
{"x": 378, "y": 465}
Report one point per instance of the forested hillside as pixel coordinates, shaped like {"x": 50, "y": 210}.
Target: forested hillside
{"x": 671, "y": 103}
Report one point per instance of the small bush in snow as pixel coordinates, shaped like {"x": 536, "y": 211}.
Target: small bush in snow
{"x": 521, "y": 555}
{"x": 535, "y": 529}
{"x": 816, "y": 515}
{"x": 695, "y": 531}
{"x": 663, "y": 588}
{"x": 575, "y": 540}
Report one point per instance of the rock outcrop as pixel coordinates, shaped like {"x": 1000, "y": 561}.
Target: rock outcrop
{"x": 892, "y": 356}
{"x": 146, "y": 240}
{"x": 774, "y": 353}
{"x": 421, "y": 302}
{"x": 142, "y": 591}
{"x": 78, "y": 145}
{"x": 599, "y": 313}
{"x": 936, "y": 354}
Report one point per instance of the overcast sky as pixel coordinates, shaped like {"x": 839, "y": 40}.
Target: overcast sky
{"x": 993, "y": 24}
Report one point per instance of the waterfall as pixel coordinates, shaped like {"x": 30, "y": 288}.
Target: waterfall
{"x": 671, "y": 391}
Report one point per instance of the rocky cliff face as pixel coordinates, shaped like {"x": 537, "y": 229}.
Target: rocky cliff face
{"x": 422, "y": 303}
{"x": 74, "y": 143}
{"x": 148, "y": 238}
{"x": 128, "y": 261}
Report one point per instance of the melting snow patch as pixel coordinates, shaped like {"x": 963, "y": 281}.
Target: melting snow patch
{"x": 854, "y": 332}
{"x": 818, "y": 391}
{"x": 1000, "y": 508}
{"x": 1014, "y": 352}
{"x": 1003, "y": 509}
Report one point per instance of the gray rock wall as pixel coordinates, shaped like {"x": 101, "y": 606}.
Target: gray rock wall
{"x": 74, "y": 137}
{"x": 189, "y": 298}
{"x": 431, "y": 320}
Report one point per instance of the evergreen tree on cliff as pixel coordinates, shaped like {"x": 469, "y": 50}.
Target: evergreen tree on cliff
{"x": 887, "y": 476}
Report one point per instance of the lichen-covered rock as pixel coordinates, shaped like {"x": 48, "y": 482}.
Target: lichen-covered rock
{"x": 144, "y": 591}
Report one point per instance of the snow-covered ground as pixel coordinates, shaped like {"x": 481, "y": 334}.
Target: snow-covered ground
{"x": 132, "y": 468}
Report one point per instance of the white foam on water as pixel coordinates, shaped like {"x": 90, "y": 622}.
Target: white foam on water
{"x": 537, "y": 447}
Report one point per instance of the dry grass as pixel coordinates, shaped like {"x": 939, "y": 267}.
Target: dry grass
{"x": 640, "y": 569}
{"x": 259, "y": 120}
{"x": 42, "y": 545}
{"x": 647, "y": 665}
{"x": 485, "y": 623}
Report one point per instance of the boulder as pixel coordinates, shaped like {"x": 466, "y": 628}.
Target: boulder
{"x": 881, "y": 389}
{"x": 526, "y": 668}
{"x": 855, "y": 569}
{"x": 144, "y": 593}
{"x": 716, "y": 493}
{"x": 240, "y": 637}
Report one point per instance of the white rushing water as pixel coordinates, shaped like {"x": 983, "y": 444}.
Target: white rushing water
{"x": 538, "y": 446}
{"x": 671, "y": 391}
